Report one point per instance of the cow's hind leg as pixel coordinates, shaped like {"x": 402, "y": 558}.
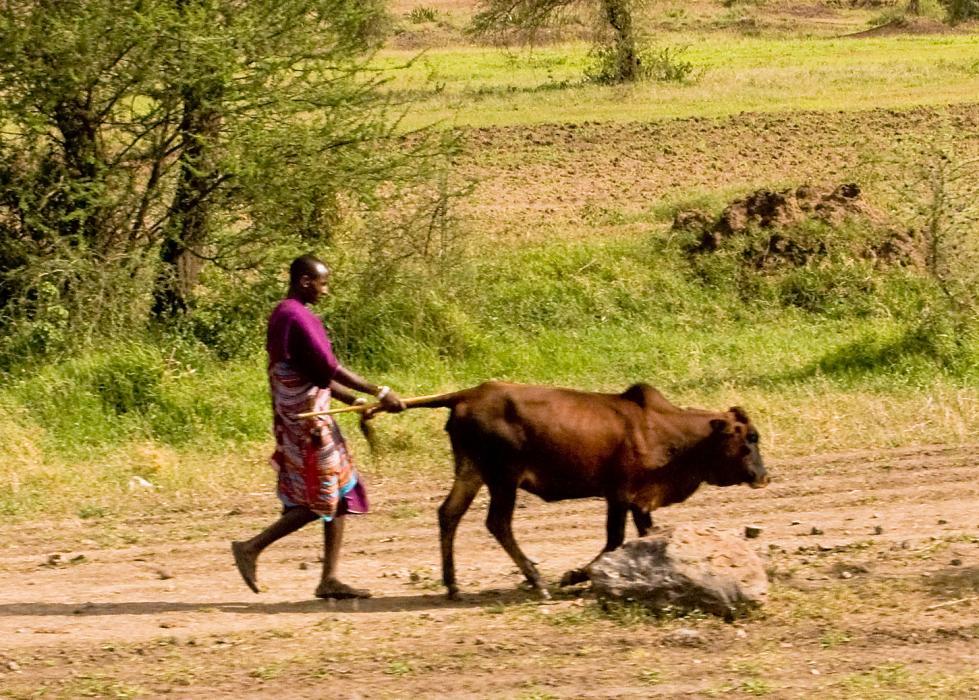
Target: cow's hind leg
{"x": 464, "y": 489}
{"x": 499, "y": 521}
{"x": 642, "y": 520}
{"x": 615, "y": 536}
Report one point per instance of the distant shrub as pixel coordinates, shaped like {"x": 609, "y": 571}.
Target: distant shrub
{"x": 961, "y": 10}
{"x": 666, "y": 64}
{"x": 952, "y": 11}
{"x": 813, "y": 266}
{"x": 889, "y": 15}
{"x": 604, "y": 64}
{"x": 422, "y": 14}
{"x": 44, "y": 332}
{"x": 394, "y": 325}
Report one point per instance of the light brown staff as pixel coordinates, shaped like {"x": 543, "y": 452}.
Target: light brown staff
{"x": 361, "y": 408}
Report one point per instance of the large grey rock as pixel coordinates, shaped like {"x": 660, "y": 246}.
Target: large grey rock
{"x": 684, "y": 567}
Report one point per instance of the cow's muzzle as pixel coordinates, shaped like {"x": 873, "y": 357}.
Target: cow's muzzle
{"x": 760, "y": 482}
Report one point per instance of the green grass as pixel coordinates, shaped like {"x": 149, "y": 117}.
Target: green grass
{"x": 598, "y": 315}
{"x": 478, "y": 86}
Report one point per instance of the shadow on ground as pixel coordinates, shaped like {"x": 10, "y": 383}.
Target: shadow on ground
{"x": 369, "y": 605}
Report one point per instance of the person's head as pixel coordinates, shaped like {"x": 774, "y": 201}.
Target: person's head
{"x": 308, "y": 276}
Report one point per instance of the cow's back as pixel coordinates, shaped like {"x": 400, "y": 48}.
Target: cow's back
{"x": 557, "y": 443}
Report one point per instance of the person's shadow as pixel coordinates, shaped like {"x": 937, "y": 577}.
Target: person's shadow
{"x": 407, "y": 603}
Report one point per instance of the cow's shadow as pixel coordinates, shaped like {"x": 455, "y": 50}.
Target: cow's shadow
{"x": 406, "y": 603}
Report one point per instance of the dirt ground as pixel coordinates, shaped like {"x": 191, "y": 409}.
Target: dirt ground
{"x": 873, "y": 557}
{"x": 608, "y": 174}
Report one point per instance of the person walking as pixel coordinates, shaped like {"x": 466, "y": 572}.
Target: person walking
{"x": 317, "y": 478}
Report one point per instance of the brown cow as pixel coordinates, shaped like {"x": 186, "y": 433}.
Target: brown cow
{"x": 635, "y": 449}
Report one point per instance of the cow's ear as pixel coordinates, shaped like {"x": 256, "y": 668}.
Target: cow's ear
{"x": 739, "y": 415}
{"x": 719, "y": 425}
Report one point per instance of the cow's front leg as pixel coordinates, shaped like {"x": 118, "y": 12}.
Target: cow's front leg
{"x": 499, "y": 521}
{"x": 615, "y": 519}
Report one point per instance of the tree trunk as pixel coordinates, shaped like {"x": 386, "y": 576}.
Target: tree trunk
{"x": 187, "y": 232}
{"x": 914, "y": 7}
{"x": 81, "y": 216}
{"x": 619, "y": 17}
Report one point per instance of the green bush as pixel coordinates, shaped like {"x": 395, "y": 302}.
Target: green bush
{"x": 961, "y": 10}
{"x": 667, "y": 65}
{"x": 127, "y": 379}
{"x": 229, "y": 319}
{"x": 394, "y": 326}
{"x": 422, "y": 14}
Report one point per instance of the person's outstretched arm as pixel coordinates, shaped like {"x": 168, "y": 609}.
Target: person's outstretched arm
{"x": 389, "y": 400}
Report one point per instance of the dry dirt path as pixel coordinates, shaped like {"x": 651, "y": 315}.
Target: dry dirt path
{"x": 883, "y": 603}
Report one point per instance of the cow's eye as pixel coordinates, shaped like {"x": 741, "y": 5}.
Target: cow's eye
{"x": 752, "y": 437}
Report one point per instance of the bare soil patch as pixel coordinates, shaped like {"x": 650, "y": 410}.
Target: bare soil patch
{"x": 611, "y": 173}
{"x": 873, "y": 557}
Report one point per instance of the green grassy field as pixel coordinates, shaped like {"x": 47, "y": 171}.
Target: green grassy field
{"x": 479, "y": 86}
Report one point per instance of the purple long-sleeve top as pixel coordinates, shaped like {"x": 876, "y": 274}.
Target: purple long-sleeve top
{"x": 297, "y": 336}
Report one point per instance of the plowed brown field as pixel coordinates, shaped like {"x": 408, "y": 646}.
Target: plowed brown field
{"x": 538, "y": 181}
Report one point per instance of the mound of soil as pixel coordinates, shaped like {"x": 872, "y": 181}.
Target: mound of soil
{"x": 784, "y": 212}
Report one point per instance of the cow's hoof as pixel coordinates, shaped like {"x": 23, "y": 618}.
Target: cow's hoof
{"x": 453, "y": 594}
{"x": 574, "y": 576}
{"x": 543, "y": 593}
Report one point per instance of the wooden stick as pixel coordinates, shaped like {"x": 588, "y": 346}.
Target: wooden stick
{"x": 951, "y": 602}
{"x": 364, "y": 407}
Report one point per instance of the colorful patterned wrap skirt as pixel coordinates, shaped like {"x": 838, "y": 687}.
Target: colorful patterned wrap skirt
{"x": 321, "y": 477}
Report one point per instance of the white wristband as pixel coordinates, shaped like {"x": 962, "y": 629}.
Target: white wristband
{"x": 382, "y": 392}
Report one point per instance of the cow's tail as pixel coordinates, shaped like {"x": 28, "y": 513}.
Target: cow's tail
{"x": 439, "y": 401}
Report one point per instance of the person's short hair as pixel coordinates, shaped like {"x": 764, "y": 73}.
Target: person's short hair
{"x": 305, "y": 265}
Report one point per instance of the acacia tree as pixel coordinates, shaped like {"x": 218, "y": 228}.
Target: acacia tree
{"x": 530, "y": 16}
{"x": 142, "y": 139}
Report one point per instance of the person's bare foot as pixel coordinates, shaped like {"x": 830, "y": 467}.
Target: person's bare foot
{"x": 246, "y": 563}
{"x": 340, "y": 591}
